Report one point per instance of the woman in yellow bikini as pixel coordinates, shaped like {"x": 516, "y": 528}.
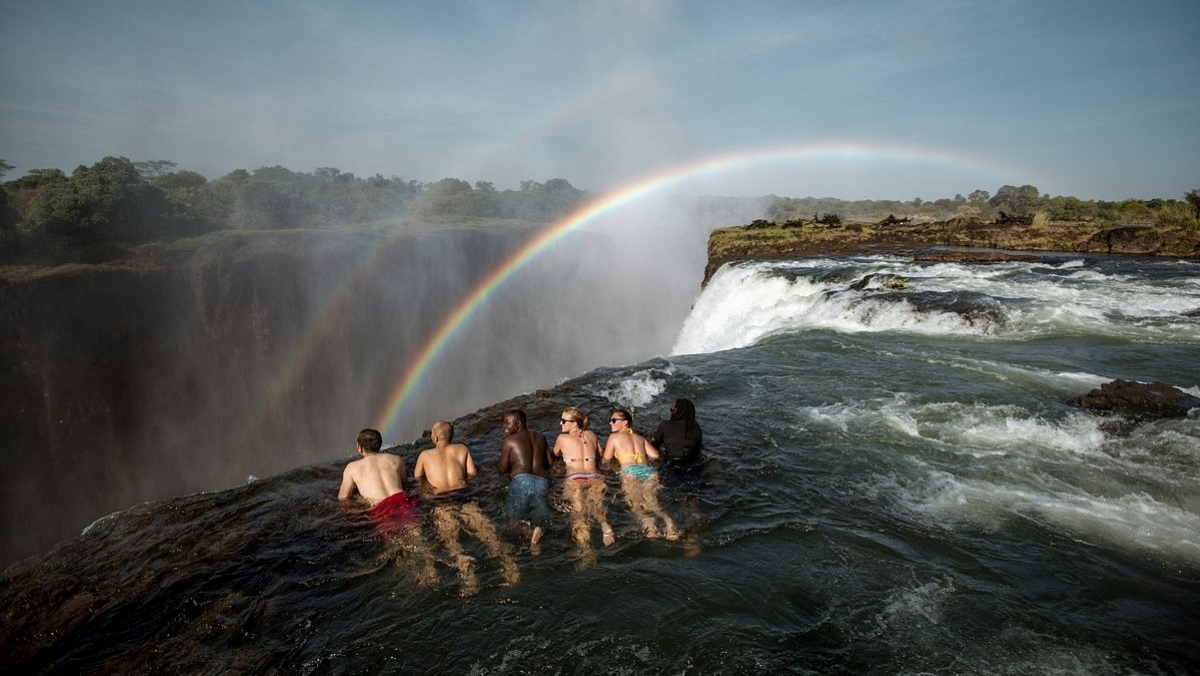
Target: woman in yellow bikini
{"x": 639, "y": 481}
{"x": 583, "y": 488}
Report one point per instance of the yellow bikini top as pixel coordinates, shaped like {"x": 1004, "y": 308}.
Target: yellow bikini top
{"x": 638, "y": 457}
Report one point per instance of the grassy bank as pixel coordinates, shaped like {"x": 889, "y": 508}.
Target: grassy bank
{"x": 792, "y": 239}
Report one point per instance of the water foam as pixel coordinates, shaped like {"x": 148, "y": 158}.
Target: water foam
{"x": 637, "y": 389}
{"x": 744, "y": 303}
{"x": 987, "y": 464}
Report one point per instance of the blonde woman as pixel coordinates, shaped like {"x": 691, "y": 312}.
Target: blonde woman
{"x": 639, "y": 481}
{"x": 583, "y": 488}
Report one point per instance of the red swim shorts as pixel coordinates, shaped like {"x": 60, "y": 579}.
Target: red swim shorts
{"x": 394, "y": 514}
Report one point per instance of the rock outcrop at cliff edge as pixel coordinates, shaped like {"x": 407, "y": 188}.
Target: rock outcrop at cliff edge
{"x": 1138, "y": 401}
{"x": 766, "y": 240}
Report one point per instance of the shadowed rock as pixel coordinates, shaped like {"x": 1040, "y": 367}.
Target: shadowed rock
{"x": 973, "y": 256}
{"x": 1138, "y": 400}
{"x": 976, "y": 309}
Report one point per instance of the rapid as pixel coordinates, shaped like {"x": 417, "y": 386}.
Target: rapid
{"x": 895, "y": 483}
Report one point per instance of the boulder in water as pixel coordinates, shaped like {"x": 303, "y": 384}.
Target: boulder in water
{"x": 1138, "y": 400}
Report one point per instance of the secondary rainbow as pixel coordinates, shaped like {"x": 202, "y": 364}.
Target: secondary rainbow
{"x": 623, "y": 196}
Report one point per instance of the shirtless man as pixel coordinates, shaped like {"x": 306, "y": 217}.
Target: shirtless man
{"x": 525, "y": 457}
{"x": 639, "y": 481}
{"x": 443, "y": 472}
{"x": 379, "y": 479}
{"x": 583, "y": 488}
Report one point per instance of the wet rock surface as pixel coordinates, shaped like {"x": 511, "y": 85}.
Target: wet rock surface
{"x": 1139, "y": 401}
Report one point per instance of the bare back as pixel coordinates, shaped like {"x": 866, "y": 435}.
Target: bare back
{"x": 376, "y": 476}
{"x": 525, "y": 452}
{"x": 445, "y": 468}
{"x": 579, "y": 452}
{"x": 629, "y": 448}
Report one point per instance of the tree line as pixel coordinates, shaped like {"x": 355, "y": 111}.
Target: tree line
{"x": 50, "y": 215}
{"x": 1023, "y": 201}
{"x": 117, "y": 202}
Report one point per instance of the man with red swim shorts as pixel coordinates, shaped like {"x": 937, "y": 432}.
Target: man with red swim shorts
{"x": 379, "y": 478}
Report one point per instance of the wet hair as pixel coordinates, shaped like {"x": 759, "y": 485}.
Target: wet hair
{"x": 685, "y": 410}
{"x": 444, "y": 430}
{"x": 370, "y": 440}
{"x": 625, "y": 414}
{"x": 575, "y": 415}
{"x": 518, "y": 414}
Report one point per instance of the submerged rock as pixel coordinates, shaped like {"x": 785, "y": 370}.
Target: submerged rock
{"x": 1138, "y": 400}
{"x": 976, "y": 309}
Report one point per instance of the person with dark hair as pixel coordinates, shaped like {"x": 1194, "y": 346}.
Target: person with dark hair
{"x": 680, "y": 440}
{"x": 525, "y": 457}
{"x": 639, "y": 481}
{"x": 583, "y": 489}
{"x": 379, "y": 478}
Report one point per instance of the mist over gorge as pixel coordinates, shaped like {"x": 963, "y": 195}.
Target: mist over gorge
{"x": 263, "y": 351}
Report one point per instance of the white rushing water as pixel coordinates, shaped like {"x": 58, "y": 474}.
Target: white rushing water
{"x": 1012, "y": 301}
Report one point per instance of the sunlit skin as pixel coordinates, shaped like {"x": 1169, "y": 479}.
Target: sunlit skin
{"x": 377, "y": 476}
{"x": 628, "y": 449}
{"x": 524, "y": 451}
{"x": 446, "y": 466}
{"x": 583, "y": 488}
{"x": 442, "y": 470}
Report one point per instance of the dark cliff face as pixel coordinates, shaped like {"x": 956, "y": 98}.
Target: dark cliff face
{"x": 249, "y": 357}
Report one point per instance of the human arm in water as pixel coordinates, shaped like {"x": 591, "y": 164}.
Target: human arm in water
{"x": 347, "y": 489}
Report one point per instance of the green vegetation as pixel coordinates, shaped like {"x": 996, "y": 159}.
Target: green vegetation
{"x": 99, "y": 213}
{"x": 1018, "y": 201}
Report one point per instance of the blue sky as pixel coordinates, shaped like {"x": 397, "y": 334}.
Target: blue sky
{"x": 1094, "y": 99}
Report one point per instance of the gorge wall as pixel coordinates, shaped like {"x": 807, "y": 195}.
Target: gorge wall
{"x": 129, "y": 385}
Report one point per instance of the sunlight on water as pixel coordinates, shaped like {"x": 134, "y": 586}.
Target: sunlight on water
{"x": 746, "y": 302}
{"x": 894, "y": 482}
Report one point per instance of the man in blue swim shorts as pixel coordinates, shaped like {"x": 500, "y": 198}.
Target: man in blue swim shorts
{"x": 525, "y": 457}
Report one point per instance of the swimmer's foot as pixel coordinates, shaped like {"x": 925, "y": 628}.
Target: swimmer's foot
{"x": 427, "y": 577}
{"x": 511, "y": 574}
{"x": 470, "y": 585}
{"x": 609, "y": 538}
{"x": 587, "y": 557}
{"x": 534, "y": 540}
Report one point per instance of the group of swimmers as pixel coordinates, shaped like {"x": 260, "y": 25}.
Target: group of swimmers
{"x": 443, "y": 473}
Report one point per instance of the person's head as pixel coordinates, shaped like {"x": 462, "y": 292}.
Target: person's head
{"x": 370, "y": 440}
{"x": 442, "y": 431}
{"x": 573, "y": 416}
{"x": 514, "y": 421}
{"x": 683, "y": 409}
{"x": 620, "y": 420}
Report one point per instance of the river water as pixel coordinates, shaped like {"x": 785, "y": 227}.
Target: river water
{"x": 894, "y": 484}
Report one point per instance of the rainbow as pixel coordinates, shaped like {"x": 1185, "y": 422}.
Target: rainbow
{"x": 623, "y": 196}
